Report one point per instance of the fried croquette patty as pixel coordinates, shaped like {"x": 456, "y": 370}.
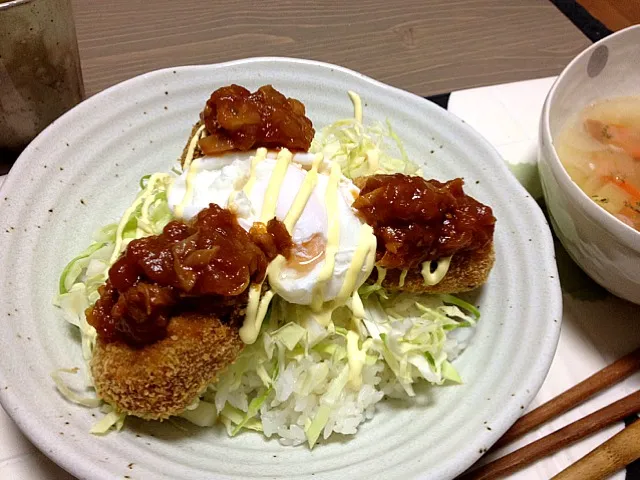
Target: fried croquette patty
{"x": 467, "y": 271}
{"x": 162, "y": 379}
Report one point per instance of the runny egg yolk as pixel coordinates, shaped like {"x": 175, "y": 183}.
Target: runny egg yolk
{"x": 306, "y": 255}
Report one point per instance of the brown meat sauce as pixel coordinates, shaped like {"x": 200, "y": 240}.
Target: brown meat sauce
{"x": 204, "y": 266}
{"x": 237, "y": 119}
{"x": 415, "y": 220}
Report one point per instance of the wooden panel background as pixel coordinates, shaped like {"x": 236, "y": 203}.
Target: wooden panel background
{"x": 424, "y": 46}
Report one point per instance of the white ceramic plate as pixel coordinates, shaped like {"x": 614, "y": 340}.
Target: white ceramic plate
{"x": 82, "y": 172}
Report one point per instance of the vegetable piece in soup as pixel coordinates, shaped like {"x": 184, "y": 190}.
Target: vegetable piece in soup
{"x": 600, "y": 149}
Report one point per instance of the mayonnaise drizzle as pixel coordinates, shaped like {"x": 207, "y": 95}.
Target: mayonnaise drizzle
{"x": 403, "y": 276}
{"x": 260, "y": 155}
{"x": 192, "y": 147}
{"x": 362, "y": 257}
{"x": 357, "y": 307}
{"x": 433, "y": 278}
{"x": 126, "y": 216}
{"x": 356, "y": 358}
{"x": 333, "y": 236}
{"x": 190, "y": 166}
{"x": 302, "y": 197}
{"x": 382, "y": 273}
{"x": 275, "y": 183}
{"x": 249, "y": 330}
{"x": 357, "y": 105}
{"x": 257, "y": 308}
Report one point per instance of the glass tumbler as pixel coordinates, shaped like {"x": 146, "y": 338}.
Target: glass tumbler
{"x": 40, "y": 75}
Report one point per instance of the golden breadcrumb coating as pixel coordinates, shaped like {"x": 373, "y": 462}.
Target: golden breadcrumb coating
{"x": 467, "y": 271}
{"x": 162, "y": 379}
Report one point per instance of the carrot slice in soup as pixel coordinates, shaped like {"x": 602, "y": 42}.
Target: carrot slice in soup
{"x": 626, "y": 186}
{"x": 628, "y": 139}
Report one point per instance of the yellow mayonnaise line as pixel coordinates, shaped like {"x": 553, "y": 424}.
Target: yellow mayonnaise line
{"x": 432, "y": 278}
{"x": 248, "y": 326}
{"x": 356, "y": 358}
{"x": 356, "y": 305}
{"x": 298, "y": 205}
{"x": 262, "y": 312}
{"x": 260, "y": 155}
{"x": 403, "y": 276}
{"x": 373, "y": 159}
{"x": 188, "y": 192}
{"x": 357, "y": 105}
{"x": 231, "y": 202}
{"x": 361, "y": 258}
{"x": 323, "y": 317}
{"x": 273, "y": 272}
{"x": 333, "y": 236}
{"x": 256, "y": 311}
{"x": 275, "y": 183}
{"x": 126, "y": 216}
{"x": 257, "y": 308}
{"x": 192, "y": 147}
{"x": 382, "y": 272}
{"x": 190, "y": 166}
{"x": 302, "y": 197}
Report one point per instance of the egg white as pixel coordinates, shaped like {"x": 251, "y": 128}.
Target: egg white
{"x": 221, "y": 179}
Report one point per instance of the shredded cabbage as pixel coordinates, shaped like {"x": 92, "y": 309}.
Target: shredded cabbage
{"x": 203, "y": 415}
{"x": 80, "y": 279}
{"x": 402, "y": 339}
{"x": 363, "y": 149}
{"x": 405, "y": 333}
{"x": 308, "y": 371}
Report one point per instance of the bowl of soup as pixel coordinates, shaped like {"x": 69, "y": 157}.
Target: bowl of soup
{"x": 589, "y": 161}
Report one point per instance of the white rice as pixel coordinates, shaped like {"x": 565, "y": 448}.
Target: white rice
{"x": 302, "y": 386}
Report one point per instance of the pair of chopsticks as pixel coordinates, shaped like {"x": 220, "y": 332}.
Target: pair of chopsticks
{"x": 611, "y": 456}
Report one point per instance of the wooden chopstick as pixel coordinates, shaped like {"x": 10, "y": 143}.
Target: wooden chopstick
{"x": 613, "y": 455}
{"x": 557, "y": 440}
{"x": 608, "y": 376}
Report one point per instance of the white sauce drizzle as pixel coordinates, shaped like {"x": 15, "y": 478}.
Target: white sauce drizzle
{"x": 249, "y": 330}
{"x": 275, "y": 183}
{"x": 433, "y": 278}
{"x": 302, "y": 197}
{"x": 364, "y": 256}
{"x": 191, "y": 168}
{"x": 366, "y": 245}
{"x": 260, "y": 155}
{"x": 126, "y": 216}
{"x": 357, "y": 105}
{"x": 403, "y": 276}
{"x": 382, "y": 273}
{"x": 333, "y": 236}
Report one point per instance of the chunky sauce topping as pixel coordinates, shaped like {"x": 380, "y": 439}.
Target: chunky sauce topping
{"x": 416, "y": 219}
{"x": 237, "y": 119}
{"x": 203, "y": 266}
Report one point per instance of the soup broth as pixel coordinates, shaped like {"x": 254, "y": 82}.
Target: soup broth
{"x": 600, "y": 149}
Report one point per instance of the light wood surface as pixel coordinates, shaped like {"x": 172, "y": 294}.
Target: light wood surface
{"x": 562, "y": 438}
{"x": 615, "y": 14}
{"x": 424, "y": 46}
{"x": 576, "y": 395}
{"x": 613, "y": 455}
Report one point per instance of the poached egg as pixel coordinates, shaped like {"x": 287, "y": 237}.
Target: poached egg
{"x": 334, "y": 249}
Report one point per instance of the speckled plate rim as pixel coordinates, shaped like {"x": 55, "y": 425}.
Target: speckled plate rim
{"x": 74, "y": 461}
